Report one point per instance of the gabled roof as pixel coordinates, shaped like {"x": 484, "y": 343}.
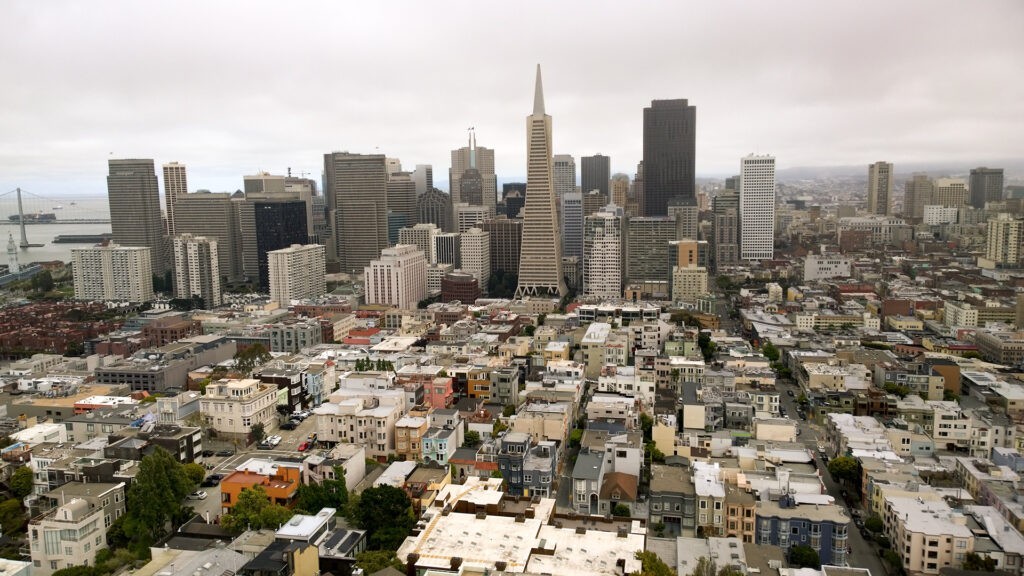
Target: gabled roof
{"x": 624, "y": 484}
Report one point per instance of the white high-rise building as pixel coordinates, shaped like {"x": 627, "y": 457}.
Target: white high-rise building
{"x": 398, "y": 277}
{"x": 197, "y": 269}
{"x": 297, "y": 272}
{"x": 469, "y": 216}
{"x": 757, "y": 207}
{"x": 572, "y": 224}
{"x": 175, "y": 185}
{"x": 112, "y": 272}
{"x": 421, "y": 236}
{"x": 476, "y": 255}
{"x": 1005, "y": 233}
{"x": 563, "y": 171}
{"x": 602, "y": 260}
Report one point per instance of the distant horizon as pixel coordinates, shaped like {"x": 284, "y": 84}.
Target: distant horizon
{"x": 1014, "y": 172}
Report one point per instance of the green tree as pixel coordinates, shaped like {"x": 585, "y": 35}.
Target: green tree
{"x": 372, "y": 561}
{"x": 655, "y": 454}
{"x": 897, "y": 389}
{"x": 472, "y": 439}
{"x": 803, "y": 556}
{"x": 21, "y": 482}
{"x": 385, "y": 512}
{"x": 329, "y": 493}
{"x": 254, "y": 511}
{"x": 621, "y": 509}
{"x": 155, "y": 497}
{"x": 770, "y": 352}
{"x": 508, "y": 410}
{"x": 43, "y": 282}
{"x": 194, "y": 472}
{"x": 874, "y": 523}
{"x": 646, "y": 425}
{"x": 892, "y": 558}
{"x": 576, "y": 438}
{"x": 251, "y": 357}
{"x": 950, "y": 396}
{"x": 976, "y": 562}
{"x": 845, "y": 468}
{"x": 529, "y": 330}
{"x": 257, "y": 432}
{"x": 12, "y": 516}
{"x": 652, "y": 565}
{"x": 708, "y": 567}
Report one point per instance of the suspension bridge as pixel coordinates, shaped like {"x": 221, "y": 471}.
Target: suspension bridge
{"x": 22, "y": 208}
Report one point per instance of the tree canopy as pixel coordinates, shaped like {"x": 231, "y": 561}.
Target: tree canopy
{"x": 251, "y": 357}
{"x": 770, "y": 352}
{"x": 845, "y": 468}
{"x": 803, "y": 556}
{"x": 254, "y": 511}
{"x": 21, "y": 482}
{"x": 978, "y": 563}
{"x": 314, "y": 497}
{"x": 385, "y": 512}
{"x": 472, "y": 439}
{"x": 154, "y": 499}
{"x": 652, "y": 565}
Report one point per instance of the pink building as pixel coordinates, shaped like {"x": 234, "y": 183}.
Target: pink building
{"x": 438, "y": 387}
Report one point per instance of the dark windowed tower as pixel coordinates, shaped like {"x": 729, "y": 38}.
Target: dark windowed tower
{"x": 278, "y": 225}
{"x": 669, "y": 150}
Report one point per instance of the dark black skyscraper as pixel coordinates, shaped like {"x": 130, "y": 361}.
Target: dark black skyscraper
{"x": 670, "y": 128}
{"x": 596, "y": 174}
{"x": 279, "y": 224}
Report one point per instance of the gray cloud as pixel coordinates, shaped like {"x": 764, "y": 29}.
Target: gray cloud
{"x": 231, "y": 88}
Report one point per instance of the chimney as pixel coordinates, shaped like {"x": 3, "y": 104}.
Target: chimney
{"x": 410, "y": 564}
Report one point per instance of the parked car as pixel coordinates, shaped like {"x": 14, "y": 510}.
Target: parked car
{"x": 304, "y": 446}
{"x": 211, "y": 480}
{"x": 207, "y": 453}
{"x": 226, "y": 452}
{"x": 274, "y": 440}
{"x": 790, "y": 392}
{"x": 288, "y": 426}
{"x": 264, "y": 445}
{"x": 197, "y": 495}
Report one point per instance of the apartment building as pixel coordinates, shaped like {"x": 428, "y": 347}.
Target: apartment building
{"x": 73, "y": 531}
{"x": 231, "y": 407}
{"x": 927, "y": 534}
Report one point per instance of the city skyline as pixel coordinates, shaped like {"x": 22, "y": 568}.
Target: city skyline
{"x": 818, "y": 101}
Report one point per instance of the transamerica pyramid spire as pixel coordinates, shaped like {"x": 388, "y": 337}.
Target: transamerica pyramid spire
{"x": 538, "y": 95}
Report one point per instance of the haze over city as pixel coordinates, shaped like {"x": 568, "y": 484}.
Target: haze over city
{"x": 231, "y": 91}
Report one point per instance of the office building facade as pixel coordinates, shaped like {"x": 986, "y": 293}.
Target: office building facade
{"x": 757, "y": 207}
{"x": 397, "y": 278}
{"x": 485, "y": 183}
{"x": 596, "y": 174}
{"x": 602, "y": 260}
{"x": 357, "y": 190}
{"x": 135, "y": 220}
{"x": 113, "y": 272}
{"x": 296, "y": 273}
{"x": 214, "y": 216}
{"x": 669, "y": 152}
{"x": 197, "y": 269}
{"x": 175, "y": 186}
{"x": 880, "y": 188}
{"x": 986, "y": 185}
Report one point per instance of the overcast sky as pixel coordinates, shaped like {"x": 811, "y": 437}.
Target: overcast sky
{"x": 229, "y": 88}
